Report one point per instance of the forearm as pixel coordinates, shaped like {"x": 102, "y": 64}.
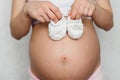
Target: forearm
{"x": 20, "y": 25}
{"x": 103, "y": 18}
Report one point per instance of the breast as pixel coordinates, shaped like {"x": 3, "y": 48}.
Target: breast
{"x": 57, "y": 59}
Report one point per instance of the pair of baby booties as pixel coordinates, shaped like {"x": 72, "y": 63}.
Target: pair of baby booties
{"x": 57, "y": 31}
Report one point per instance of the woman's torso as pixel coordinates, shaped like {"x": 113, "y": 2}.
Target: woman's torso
{"x": 66, "y": 59}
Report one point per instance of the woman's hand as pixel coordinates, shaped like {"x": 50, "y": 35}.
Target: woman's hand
{"x": 43, "y": 11}
{"x": 82, "y": 8}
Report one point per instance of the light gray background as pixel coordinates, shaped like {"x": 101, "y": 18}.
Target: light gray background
{"x": 14, "y": 60}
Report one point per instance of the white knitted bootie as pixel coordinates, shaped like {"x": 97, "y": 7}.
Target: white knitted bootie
{"x": 75, "y": 28}
{"x": 57, "y": 31}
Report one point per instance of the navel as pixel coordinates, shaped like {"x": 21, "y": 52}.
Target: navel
{"x": 64, "y": 59}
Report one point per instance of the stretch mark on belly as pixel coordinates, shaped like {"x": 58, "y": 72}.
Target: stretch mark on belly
{"x": 64, "y": 71}
{"x": 64, "y": 63}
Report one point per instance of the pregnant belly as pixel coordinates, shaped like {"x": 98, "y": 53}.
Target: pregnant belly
{"x": 66, "y": 59}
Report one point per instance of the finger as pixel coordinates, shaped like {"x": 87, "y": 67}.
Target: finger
{"x": 51, "y": 15}
{"x": 86, "y": 11}
{"x": 39, "y": 15}
{"x": 74, "y": 11}
{"x": 91, "y": 10}
{"x": 42, "y": 12}
{"x": 33, "y": 15}
{"x": 56, "y": 11}
{"x": 69, "y": 13}
{"x": 41, "y": 19}
{"x": 45, "y": 17}
{"x": 80, "y": 12}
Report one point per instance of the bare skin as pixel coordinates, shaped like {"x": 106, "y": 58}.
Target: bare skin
{"x": 66, "y": 59}
{"x": 51, "y": 57}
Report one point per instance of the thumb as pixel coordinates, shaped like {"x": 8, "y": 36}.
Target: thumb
{"x": 69, "y": 13}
